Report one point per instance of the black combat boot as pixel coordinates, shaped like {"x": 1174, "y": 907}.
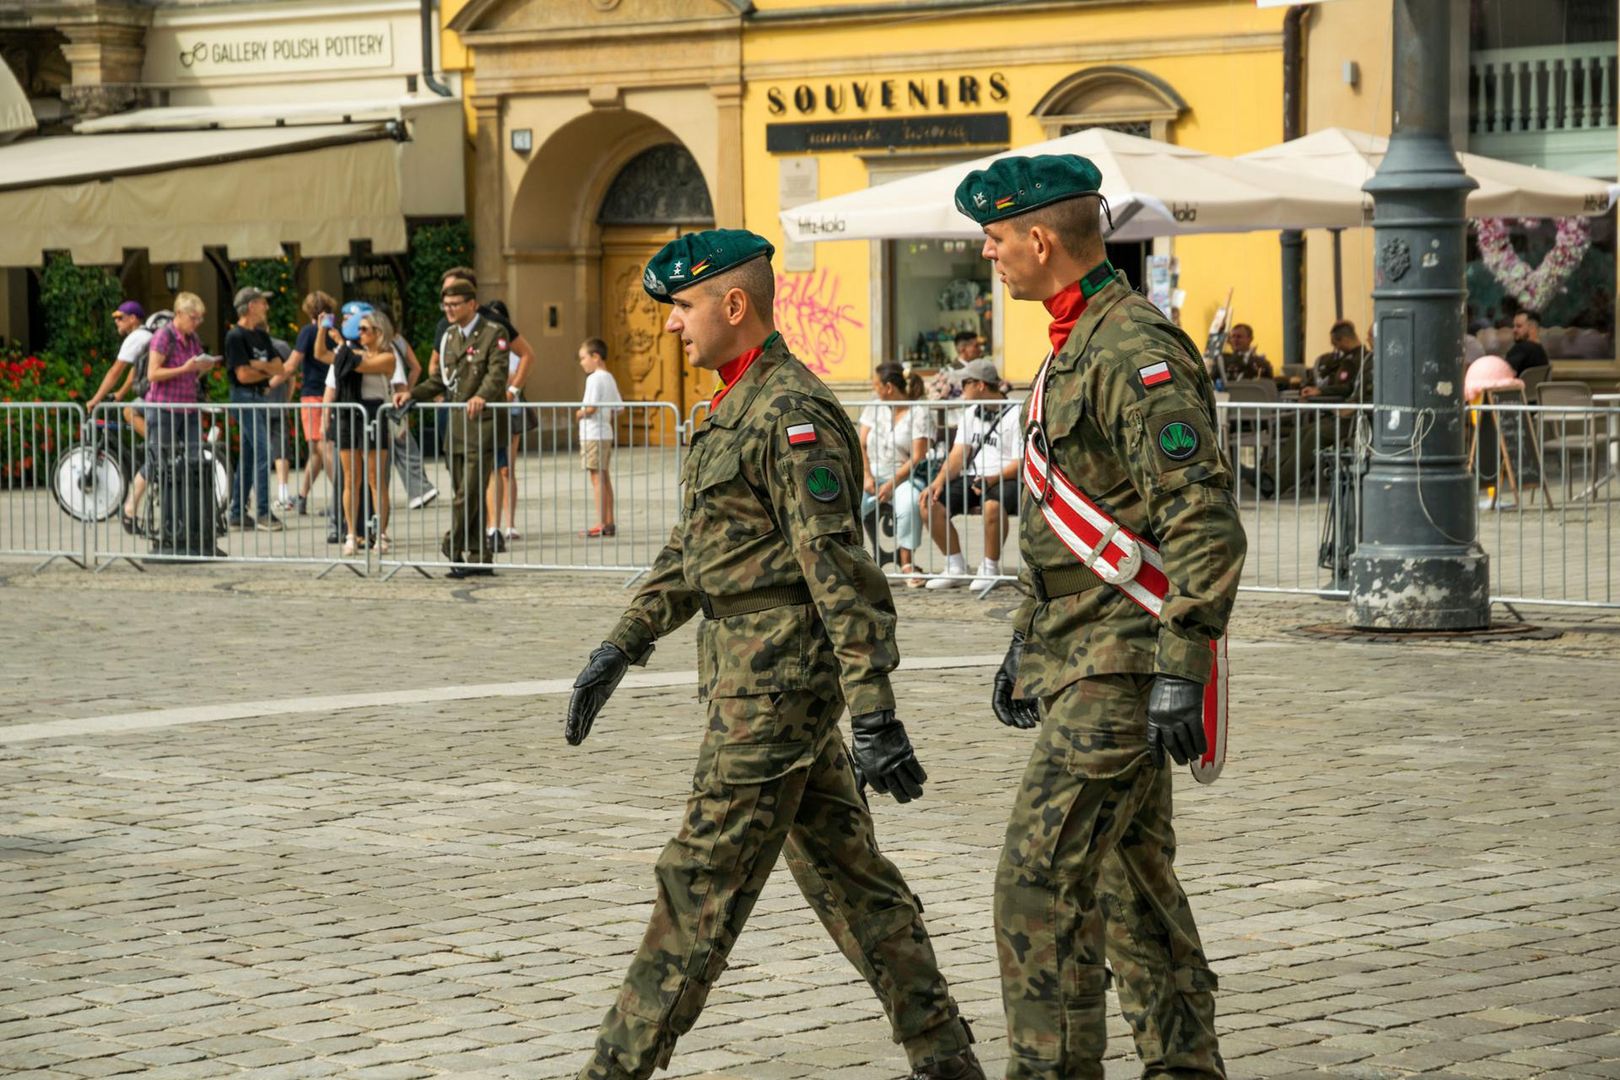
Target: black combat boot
{"x": 963, "y": 1066}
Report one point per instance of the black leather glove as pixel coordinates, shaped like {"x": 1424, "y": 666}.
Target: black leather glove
{"x": 1176, "y": 719}
{"x": 594, "y": 686}
{"x": 1014, "y": 712}
{"x": 883, "y": 756}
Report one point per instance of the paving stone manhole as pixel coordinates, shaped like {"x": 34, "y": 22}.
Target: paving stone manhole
{"x": 1497, "y": 631}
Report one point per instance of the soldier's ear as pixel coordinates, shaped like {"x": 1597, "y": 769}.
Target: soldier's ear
{"x": 1040, "y": 242}
{"x": 734, "y": 305}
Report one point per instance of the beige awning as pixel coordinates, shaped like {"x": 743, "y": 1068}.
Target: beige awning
{"x": 249, "y": 190}
{"x": 16, "y": 114}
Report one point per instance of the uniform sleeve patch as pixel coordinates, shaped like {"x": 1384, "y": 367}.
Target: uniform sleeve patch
{"x": 822, "y": 483}
{"x": 1178, "y": 441}
{"x": 803, "y": 435}
{"x": 1155, "y": 374}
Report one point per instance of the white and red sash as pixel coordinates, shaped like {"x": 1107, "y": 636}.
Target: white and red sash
{"x": 1119, "y": 557}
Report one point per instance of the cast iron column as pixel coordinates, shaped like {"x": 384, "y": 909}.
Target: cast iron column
{"x": 1419, "y": 565}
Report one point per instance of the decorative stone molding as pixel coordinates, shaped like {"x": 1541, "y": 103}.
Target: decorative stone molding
{"x": 89, "y": 102}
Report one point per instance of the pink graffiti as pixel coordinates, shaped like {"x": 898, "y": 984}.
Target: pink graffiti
{"x": 811, "y": 319}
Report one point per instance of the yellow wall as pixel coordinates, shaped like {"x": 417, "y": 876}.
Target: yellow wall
{"x": 1225, "y": 60}
{"x": 1347, "y": 30}
{"x": 455, "y": 56}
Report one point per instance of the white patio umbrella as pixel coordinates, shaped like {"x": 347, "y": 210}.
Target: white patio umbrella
{"x": 1154, "y": 189}
{"x": 1506, "y": 189}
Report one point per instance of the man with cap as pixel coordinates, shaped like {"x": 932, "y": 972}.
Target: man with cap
{"x": 798, "y": 622}
{"x": 123, "y": 376}
{"x": 1126, "y": 415}
{"x": 980, "y": 476}
{"x": 472, "y": 373}
{"x": 251, "y": 361}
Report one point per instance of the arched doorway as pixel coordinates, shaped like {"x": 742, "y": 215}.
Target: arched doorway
{"x": 658, "y": 195}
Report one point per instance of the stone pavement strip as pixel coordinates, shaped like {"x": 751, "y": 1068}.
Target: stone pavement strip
{"x": 289, "y": 868}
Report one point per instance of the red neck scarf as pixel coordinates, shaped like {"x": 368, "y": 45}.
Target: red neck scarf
{"x": 1065, "y": 306}
{"x": 732, "y": 370}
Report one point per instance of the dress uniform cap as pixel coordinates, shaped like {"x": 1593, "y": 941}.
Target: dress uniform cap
{"x": 698, "y": 256}
{"x": 1017, "y": 185}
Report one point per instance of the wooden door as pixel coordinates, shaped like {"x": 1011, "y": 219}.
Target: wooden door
{"x": 647, "y": 363}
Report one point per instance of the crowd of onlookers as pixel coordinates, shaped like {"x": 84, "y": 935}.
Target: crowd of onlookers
{"x": 347, "y": 354}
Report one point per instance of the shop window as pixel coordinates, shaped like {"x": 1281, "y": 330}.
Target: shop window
{"x": 938, "y": 288}
{"x": 1572, "y": 285}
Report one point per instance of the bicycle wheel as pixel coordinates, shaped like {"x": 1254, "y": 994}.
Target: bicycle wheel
{"x": 88, "y": 484}
{"x": 222, "y": 480}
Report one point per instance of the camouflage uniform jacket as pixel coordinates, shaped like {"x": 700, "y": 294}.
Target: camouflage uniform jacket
{"x": 759, "y": 512}
{"x": 1106, "y": 431}
{"x": 1344, "y": 373}
{"x": 476, "y": 367}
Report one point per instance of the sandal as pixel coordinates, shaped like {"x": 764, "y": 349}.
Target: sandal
{"x": 597, "y": 532}
{"x": 914, "y": 580}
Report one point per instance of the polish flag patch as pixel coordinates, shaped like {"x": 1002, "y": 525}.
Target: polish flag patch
{"x": 801, "y": 434}
{"x": 1155, "y": 374}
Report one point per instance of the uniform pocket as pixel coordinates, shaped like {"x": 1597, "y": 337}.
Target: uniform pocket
{"x": 725, "y": 502}
{"x": 743, "y": 764}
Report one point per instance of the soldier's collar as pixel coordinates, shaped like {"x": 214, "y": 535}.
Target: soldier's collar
{"x": 1097, "y": 305}
{"x": 734, "y": 403}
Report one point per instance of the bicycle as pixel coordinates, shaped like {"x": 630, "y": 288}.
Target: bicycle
{"x": 90, "y": 483}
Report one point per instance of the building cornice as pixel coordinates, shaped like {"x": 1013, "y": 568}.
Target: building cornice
{"x": 1066, "y": 53}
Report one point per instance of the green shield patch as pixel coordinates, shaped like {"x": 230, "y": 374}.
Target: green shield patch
{"x": 822, "y": 484}
{"x": 1178, "y": 441}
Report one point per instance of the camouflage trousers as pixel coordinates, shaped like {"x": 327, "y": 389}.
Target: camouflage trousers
{"x": 1086, "y": 872}
{"x": 773, "y": 775}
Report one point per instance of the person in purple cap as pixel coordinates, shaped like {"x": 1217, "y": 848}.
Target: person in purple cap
{"x": 130, "y": 318}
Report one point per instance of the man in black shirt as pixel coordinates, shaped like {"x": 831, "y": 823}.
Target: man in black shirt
{"x": 1526, "y": 352}
{"x": 251, "y": 362}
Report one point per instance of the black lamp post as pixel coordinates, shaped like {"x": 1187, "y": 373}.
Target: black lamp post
{"x": 1419, "y": 565}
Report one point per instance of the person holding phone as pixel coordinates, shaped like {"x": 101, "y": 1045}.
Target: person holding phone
{"x": 311, "y": 373}
{"x": 174, "y": 369}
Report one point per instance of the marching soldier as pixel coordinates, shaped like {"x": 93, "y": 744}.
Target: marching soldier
{"x": 472, "y": 372}
{"x": 798, "y": 622}
{"x": 1120, "y": 447}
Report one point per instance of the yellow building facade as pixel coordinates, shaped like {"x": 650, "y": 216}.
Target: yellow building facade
{"x": 602, "y": 128}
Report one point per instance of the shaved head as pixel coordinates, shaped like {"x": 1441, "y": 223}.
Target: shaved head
{"x": 757, "y": 281}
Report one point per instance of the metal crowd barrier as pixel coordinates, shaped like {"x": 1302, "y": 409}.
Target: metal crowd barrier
{"x": 1548, "y": 501}
{"x": 1298, "y": 468}
{"x": 945, "y": 530}
{"x": 185, "y": 483}
{"x": 34, "y": 500}
{"x": 159, "y": 485}
{"x": 535, "y": 490}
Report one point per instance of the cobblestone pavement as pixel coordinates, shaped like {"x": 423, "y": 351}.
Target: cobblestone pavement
{"x": 254, "y": 822}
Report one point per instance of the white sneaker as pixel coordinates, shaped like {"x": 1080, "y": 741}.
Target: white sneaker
{"x": 948, "y": 581}
{"x": 423, "y": 499}
{"x": 985, "y": 580}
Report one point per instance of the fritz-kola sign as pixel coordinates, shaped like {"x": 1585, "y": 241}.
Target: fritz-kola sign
{"x": 868, "y": 95}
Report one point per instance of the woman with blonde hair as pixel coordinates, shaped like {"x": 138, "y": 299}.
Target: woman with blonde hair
{"x": 365, "y": 370}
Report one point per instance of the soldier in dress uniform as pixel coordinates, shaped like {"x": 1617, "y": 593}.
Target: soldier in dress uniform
{"x": 1346, "y": 372}
{"x": 1243, "y": 361}
{"x": 472, "y": 372}
{"x": 1086, "y": 871}
{"x": 798, "y": 622}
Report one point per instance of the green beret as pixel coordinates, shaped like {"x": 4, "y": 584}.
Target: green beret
{"x": 687, "y": 259}
{"x": 1017, "y": 185}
